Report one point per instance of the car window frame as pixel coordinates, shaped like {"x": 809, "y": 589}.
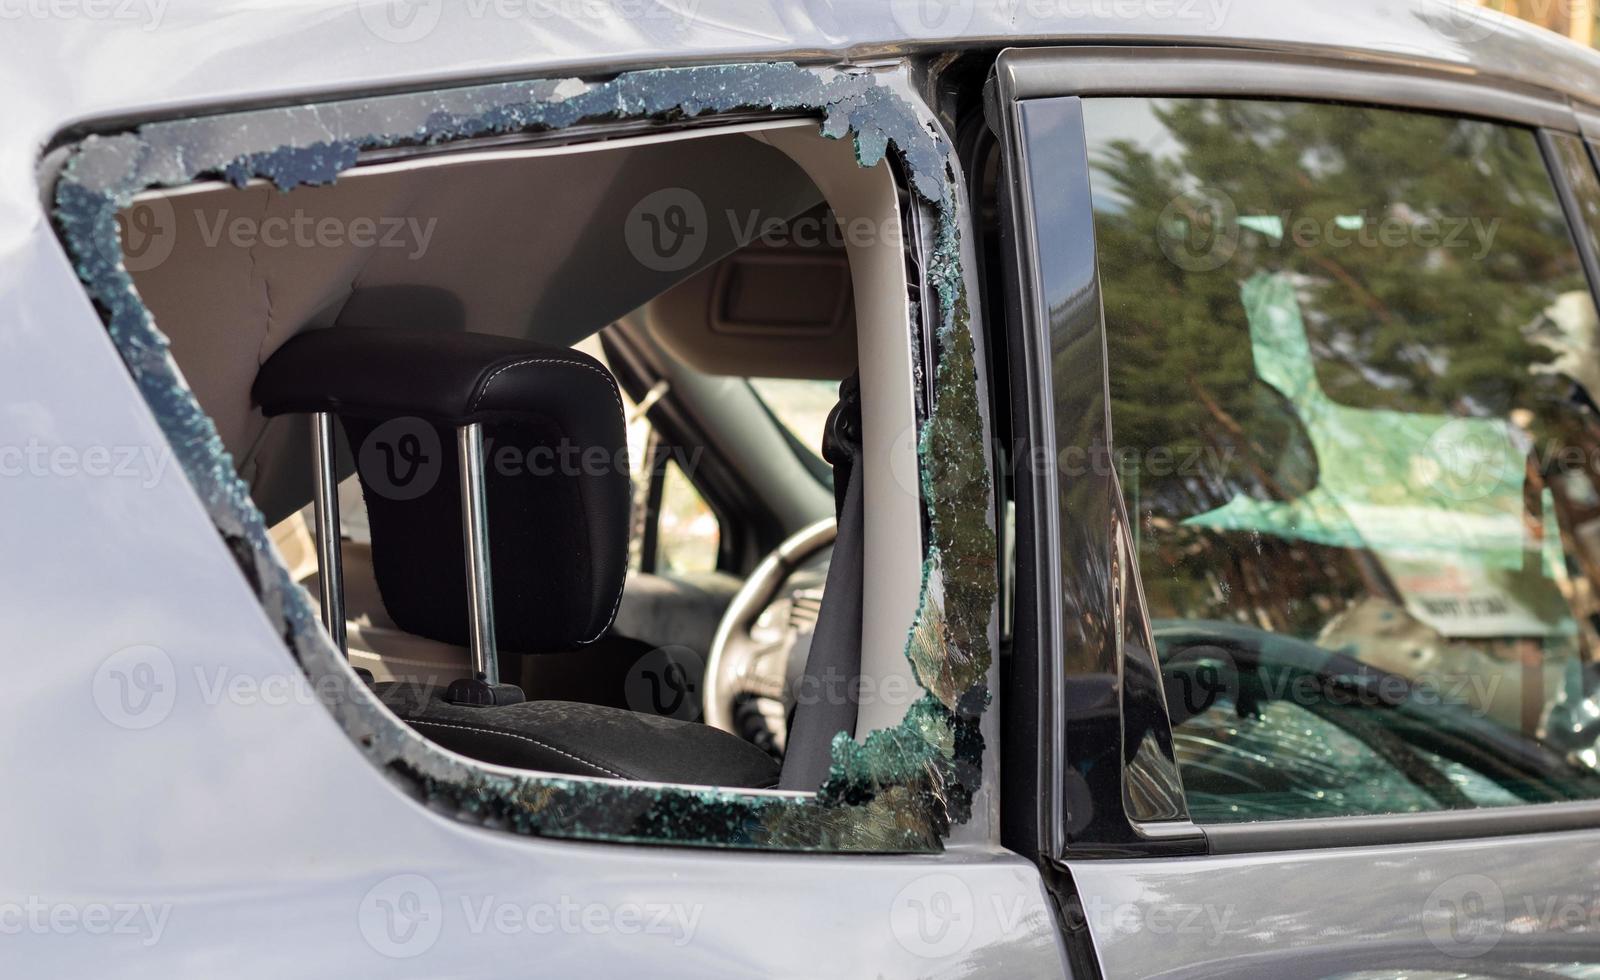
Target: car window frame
{"x": 101, "y": 177}
{"x": 1034, "y": 105}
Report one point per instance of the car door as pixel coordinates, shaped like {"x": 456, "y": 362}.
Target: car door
{"x": 213, "y": 789}
{"x": 1305, "y": 487}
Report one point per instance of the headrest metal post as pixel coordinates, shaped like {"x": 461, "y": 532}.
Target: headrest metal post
{"x": 475, "y": 536}
{"x": 330, "y": 568}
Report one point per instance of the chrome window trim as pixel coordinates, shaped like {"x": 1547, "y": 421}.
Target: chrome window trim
{"x": 1402, "y": 828}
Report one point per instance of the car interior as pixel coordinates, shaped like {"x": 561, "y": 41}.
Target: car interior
{"x": 573, "y": 442}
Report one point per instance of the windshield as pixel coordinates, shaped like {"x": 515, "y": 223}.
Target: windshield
{"x": 801, "y": 406}
{"x": 1351, "y": 356}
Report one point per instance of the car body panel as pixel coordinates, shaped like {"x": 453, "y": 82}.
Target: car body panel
{"x": 1458, "y": 907}
{"x": 261, "y": 810}
{"x": 265, "y": 844}
{"x": 150, "y": 57}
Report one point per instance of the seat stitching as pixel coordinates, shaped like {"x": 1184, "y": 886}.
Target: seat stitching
{"x": 545, "y": 360}
{"x": 616, "y": 602}
{"x": 525, "y": 738}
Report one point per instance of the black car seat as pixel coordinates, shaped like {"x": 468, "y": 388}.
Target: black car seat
{"x": 496, "y": 482}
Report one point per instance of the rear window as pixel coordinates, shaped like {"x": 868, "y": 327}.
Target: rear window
{"x": 1352, "y": 358}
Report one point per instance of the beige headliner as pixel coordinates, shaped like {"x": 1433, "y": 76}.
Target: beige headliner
{"x": 524, "y": 242}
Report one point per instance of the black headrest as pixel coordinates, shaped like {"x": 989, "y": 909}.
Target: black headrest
{"x": 555, "y": 462}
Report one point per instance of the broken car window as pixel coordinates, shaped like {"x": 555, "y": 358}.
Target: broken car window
{"x": 898, "y": 788}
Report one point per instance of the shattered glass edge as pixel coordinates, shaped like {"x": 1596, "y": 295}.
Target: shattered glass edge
{"x": 900, "y": 790}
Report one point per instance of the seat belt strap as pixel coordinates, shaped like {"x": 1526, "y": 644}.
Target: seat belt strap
{"x": 827, "y": 699}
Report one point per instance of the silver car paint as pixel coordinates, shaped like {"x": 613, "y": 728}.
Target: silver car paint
{"x": 238, "y": 833}
{"x": 188, "y": 797}
{"x": 182, "y": 804}
{"x": 1459, "y": 907}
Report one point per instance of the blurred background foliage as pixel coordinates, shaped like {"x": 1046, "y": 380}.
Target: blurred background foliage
{"x": 1573, "y": 18}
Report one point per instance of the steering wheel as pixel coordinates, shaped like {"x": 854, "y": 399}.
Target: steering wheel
{"x": 749, "y": 663}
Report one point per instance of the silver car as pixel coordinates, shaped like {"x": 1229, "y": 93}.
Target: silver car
{"x": 919, "y": 488}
